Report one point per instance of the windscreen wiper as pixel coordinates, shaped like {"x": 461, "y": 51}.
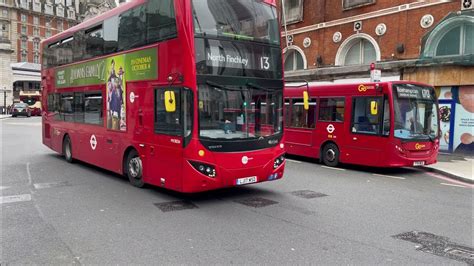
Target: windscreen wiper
{"x": 258, "y": 87}
{"x": 219, "y": 86}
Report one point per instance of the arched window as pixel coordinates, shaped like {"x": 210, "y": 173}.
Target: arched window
{"x": 451, "y": 37}
{"x": 294, "y": 60}
{"x": 358, "y": 49}
{"x": 361, "y": 52}
{"x": 457, "y": 41}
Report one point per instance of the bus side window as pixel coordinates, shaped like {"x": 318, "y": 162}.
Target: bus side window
{"x": 364, "y": 120}
{"x": 331, "y": 109}
{"x": 303, "y": 118}
{"x": 287, "y": 112}
{"x": 386, "y": 117}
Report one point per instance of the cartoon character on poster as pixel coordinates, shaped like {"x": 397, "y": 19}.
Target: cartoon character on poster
{"x": 116, "y": 91}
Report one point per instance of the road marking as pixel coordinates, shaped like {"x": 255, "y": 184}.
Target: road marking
{"x": 450, "y": 180}
{"x": 50, "y": 185}
{"x": 333, "y": 168}
{"x": 29, "y": 173}
{"x": 293, "y": 161}
{"x": 390, "y": 176}
{"x": 15, "y": 198}
{"x": 2, "y": 187}
{"x": 452, "y": 185}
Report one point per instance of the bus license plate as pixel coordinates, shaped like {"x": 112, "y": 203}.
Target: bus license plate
{"x": 246, "y": 180}
{"x": 419, "y": 163}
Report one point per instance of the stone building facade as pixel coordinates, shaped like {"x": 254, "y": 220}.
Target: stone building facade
{"x": 429, "y": 41}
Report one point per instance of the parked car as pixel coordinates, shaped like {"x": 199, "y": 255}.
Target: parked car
{"x": 21, "y": 109}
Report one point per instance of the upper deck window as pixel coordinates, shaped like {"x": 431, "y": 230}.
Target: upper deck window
{"x": 250, "y": 20}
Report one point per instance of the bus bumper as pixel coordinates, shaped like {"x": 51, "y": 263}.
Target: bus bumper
{"x": 194, "y": 181}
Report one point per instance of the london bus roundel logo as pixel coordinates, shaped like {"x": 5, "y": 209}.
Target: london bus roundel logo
{"x": 330, "y": 128}
{"x": 93, "y": 142}
{"x": 245, "y": 160}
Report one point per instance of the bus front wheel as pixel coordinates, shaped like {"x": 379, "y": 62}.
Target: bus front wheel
{"x": 134, "y": 169}
{"x": 330, "y": 155}
{"x": 67, "y": 149}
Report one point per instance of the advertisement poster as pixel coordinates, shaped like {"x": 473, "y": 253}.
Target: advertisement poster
{"x": 115, "y": 87}
{"x": 445, "y": 120}
{"x": 464, "y": 120}
{"x": 114, "y": 72}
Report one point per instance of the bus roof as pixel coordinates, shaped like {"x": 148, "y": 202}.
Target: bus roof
{"x": 340, "y": 89}
{"x": 96, "y": 20}
{"x": 93, "y": 21}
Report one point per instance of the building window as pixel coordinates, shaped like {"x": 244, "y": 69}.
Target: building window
{"x": 23, "y": 18}
{"x": 3, "y": 1}
{"x": 24, "y": 56}
{"x": 293, "y": 60}
{"x": 36, "y": 59}
{"x": 60, "y": 26}
{"x": 348, "y": 4}
{"x": 23, "y": 29}
{"x": 35, "y": 20}
{"x": 24, "y": 43}
{"x": 358, "y": 49}
{"x": 3, "y": 30}
{"x": 36, "y": 44}
{"x": 452, "y": 37}
{"x": 48, "y": 33}
{"x": 36, "y": 31}
{"x": 293, "y": 10}
{"x": 457, "y": 41}
{"x": 361, "y": 52}
{"x": 4, "y": 13}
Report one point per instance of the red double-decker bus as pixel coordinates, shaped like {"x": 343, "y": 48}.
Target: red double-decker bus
{"x": 386, "y": 124}
{"x": 33, "y": 99}
{"x": 185, "y": 95}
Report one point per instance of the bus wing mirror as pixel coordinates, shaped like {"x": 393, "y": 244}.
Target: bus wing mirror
{"x": 305, "y": 100}
{"x": 170, "y": 101}
{"x": 374, "y": 108}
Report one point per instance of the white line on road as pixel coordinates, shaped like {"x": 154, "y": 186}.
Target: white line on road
{"x": 29, "y": 173}
{"x": 452, "y": 185}
{"x": 293, "y": 161}
{"x": 390, "y": 176}
{"x": 23, "y": 124}
{"x": 50, "y": 185}
{"x": 2, "y": 187}
{"x": 15, "y": 198}
{"x": 333, "y": 168}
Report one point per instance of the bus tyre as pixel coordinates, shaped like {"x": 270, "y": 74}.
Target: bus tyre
{"x": 67, "y": 149}
{"x": 134, "y": 169}
{"x": 331, "y": 155}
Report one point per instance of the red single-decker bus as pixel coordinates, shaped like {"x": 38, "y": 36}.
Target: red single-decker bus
{"x": 386, "y": 124}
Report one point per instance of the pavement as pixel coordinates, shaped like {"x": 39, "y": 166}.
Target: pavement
{"x": 4, "y": 116}
{"x": 459, "y": 167}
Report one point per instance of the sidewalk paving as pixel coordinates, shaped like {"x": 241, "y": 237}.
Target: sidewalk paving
{"x": 454, "y": 166}
{"x": 5, "y": 116}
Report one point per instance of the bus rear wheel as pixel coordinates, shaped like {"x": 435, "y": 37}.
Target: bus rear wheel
{"x": 134, "y": 169}
{"x": 67, "y": 149}
{"x": 330, "y": 155}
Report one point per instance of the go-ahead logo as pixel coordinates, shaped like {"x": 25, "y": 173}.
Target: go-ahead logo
{"x": 362, "y": 88}
{"x": 419, "y": 146}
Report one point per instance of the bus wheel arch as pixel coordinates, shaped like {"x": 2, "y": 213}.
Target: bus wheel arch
{"x": 67, "y": 148}
{"x": 132, "y": 167}
{"x": 330, "y": 154}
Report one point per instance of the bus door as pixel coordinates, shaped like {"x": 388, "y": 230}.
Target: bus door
{"x": 366, "y": 142}
{"x": 300, "y": 124}
{"x": 172, "y": 126}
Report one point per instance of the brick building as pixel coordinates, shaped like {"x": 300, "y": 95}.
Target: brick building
{"x": 429, "y": 41}
{"x": 23, "y": 25}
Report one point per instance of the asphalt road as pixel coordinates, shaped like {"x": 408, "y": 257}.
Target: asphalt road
{"x": 53, "y": 212}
